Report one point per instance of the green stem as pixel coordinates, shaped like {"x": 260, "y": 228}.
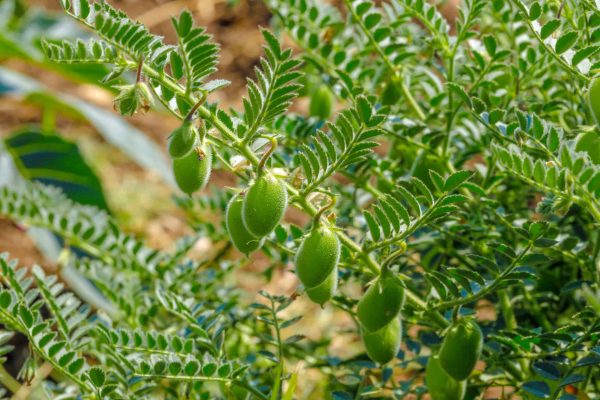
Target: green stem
{"x": 193, "y": 110}
{"x": 138, "y": 73}
{"x": 507, "y": 310}
{"x": 450, "y": 122}
{"x": 281, "y": 368}
{"x": 8, "y": 381}
{"x": 265, "y": 157}
{"x": 319, "y": 214}
{"x": 511, "y": 321}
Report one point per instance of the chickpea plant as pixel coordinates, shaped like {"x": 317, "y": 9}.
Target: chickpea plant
{"x": 449, "y": 169}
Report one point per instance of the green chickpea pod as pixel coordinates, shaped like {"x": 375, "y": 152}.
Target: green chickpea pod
{"x": 461, "y": 349}
{"x": 317, "y": 259}
{"x": 440, "y": 385}
{"x": 316, "y": 264}
{"x": 182, "y": 140}
{"x": 265, "y": 201}
{"x": 192, "y": 171}
{"x": 322, "y": 102}
{"x": 242, "y": 239}
{"x": 381, "y": 303}
{"x": 593, "y": 98}
{"x": 192, "y": 156}
{"x": 379, "y": 315}
{"x": 383, "y": 344}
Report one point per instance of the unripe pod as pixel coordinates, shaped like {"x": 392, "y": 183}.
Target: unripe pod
{"x": 589, "y": 142}
{"x": 381, "y": 303}
{"x": 316, "y": 264}
{"x": 461, "y": 349}
{"x": 383, "y": 345}
{"x": 390, "y": 95}
{"x": 441, "y": 386}
{"x": 182, "y": 140}
{"x": 593, "y": 98}
{"x": 193, "y": 170}
{"x": 321, "y": 102}
{"x": 322, "y": 293}
{"x": 241, "y": 238}
{"x": 264, "y": 205}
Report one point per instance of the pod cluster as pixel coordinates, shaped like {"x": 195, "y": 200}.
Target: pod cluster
{"x": 192, "y": 159}
{"x": 254, "y": 213}
{"x": 379, "y": 314}
{"x": 447, "y": 372}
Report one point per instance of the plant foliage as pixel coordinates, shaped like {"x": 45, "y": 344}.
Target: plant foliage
{"x": 454, "y": 161}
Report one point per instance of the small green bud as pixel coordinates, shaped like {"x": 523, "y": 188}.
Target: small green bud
{"x": 132, "y": 98}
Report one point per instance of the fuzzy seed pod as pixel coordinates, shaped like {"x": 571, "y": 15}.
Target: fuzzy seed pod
{"x": 241, "y": 238}
{"x": 264, "y": 205}
{"x": 593, "y": 98}
{"x": 391, "y": 94}
{"x": 182, "y": 140}
{"x": 461, "y": 349}
{"x": 589, "y": 142}
{"x": 441, "y": 386}
{"x": 321, "y": 102}
{"x": 383, "y": 345}
{"x": 381, "y": 303}
{"x": 316, "y": 264}
{"x": 193, "y": 170}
